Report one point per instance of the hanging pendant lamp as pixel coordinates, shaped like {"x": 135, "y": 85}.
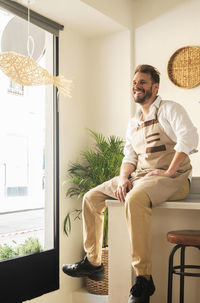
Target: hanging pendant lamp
{"x": 25, "y": 71}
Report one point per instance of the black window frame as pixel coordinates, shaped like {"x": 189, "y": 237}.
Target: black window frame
{"x": 30, "y": 276}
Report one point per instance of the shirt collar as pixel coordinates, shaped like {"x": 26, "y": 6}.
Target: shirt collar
{"x": 156, "y": 103}
{"x": 154, "y": 106}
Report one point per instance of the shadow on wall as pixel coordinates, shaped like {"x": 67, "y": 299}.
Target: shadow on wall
{"x": 123, "y": 12}
{"x": 155, "y": 9}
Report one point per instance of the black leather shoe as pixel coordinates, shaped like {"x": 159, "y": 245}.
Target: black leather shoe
{"x": 141, "y": 290}
{"x": 84, "y": 269}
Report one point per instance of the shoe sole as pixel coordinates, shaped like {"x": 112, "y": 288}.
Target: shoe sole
{"x": 96, "y": 276}
{"x": 143, "y": 299}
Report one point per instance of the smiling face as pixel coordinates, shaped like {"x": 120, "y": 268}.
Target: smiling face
{"x": 143, "y": 88}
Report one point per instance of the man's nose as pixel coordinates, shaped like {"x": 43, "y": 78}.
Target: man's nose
{"x": 137, "y": 85}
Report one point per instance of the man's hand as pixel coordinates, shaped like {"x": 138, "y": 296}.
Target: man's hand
{"x": 178, "y": 158}
{"x": 123, "y": 187}
{"x": 159, "y": 172}
{"x": 124, "y": 184}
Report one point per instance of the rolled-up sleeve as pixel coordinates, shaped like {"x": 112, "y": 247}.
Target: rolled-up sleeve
{"x": 130, "y": 155}
{"x": 185, "y": 131}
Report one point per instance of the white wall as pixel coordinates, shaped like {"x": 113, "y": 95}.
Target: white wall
{"x": 109, "y": 84}
{"x": 158, "y": 39}
{"x": 100, "y": 72}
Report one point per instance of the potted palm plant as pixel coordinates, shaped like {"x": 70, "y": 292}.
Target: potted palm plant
{"x": 97, "y": 165}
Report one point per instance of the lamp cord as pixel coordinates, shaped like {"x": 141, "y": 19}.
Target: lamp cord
{"x": 30, "y": 40}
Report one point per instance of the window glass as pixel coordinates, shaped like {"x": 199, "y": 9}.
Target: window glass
{"x": 26, "y": 154}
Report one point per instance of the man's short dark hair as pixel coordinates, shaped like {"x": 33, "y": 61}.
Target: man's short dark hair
{"x": 148, "y": 69}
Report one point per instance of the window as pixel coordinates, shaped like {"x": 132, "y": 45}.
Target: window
{"x": 15, "y": 88}
{"x": 28, "y": 173}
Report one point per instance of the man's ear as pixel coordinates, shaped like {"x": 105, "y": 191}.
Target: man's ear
{"x": 156, "y": 87}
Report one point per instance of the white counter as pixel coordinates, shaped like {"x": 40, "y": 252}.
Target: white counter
{"x": 167, "y": 216}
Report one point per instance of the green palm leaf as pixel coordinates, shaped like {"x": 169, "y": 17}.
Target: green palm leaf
{"x": 97, "y": 165}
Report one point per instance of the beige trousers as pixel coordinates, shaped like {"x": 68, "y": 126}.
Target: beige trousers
{"x": 139, "y": 222}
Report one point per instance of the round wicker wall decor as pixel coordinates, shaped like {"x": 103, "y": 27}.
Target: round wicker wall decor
{"x": 184, "y": 67}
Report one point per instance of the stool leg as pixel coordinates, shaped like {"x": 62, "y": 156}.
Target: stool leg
{"x": 182, "y": 276}
{"x": 170, "y": 273}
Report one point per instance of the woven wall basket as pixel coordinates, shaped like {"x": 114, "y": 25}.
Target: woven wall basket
{"x": 184, "y": 67}
{"x": 99, "y": 287}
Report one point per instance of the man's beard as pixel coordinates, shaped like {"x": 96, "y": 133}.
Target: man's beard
{"x": 141, "y": 100}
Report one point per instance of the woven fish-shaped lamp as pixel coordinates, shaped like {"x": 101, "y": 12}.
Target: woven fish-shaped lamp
{"x": 25, "y": 71}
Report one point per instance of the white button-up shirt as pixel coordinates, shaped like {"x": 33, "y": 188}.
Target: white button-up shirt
{"x": 175, "y": 122}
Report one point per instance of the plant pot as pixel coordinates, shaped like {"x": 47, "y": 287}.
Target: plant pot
{"x": 100, "y": 287}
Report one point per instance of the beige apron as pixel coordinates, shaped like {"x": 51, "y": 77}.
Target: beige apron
{"x": 155, "y": 150}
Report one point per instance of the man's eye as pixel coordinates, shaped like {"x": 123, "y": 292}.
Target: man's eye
{"x": 140, "y": 83}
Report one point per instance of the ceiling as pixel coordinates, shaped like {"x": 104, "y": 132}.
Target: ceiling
{"x": 76, "y": 15}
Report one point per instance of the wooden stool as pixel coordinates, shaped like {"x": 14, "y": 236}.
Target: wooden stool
{"x": 182, "y": 239}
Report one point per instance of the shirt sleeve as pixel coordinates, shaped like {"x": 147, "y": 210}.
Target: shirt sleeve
{"x": 130, "y": 155}
{"x": 183, "y": 128}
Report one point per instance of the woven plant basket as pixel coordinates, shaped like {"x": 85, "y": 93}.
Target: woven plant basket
{"x": 99, "y": 287}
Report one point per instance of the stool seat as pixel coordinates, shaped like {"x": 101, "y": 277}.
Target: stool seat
{"x": 184, "y": 237}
